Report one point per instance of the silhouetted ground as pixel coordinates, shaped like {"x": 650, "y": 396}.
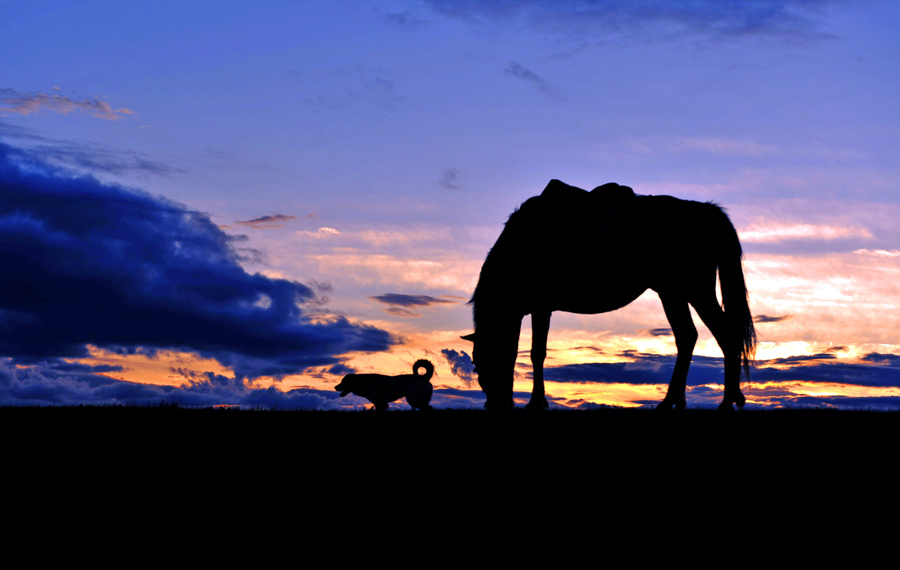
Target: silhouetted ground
{"x": 351, "y": 483}
{"x": 299, "y": 445}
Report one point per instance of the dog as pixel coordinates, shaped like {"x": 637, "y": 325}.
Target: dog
{"x": 381, "y": 389}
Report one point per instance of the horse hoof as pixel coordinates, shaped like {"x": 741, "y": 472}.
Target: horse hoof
{"x": 537, "y": 406}
{"x": 740, "y": 401}
{"x": 725, "y": 407}
{"x": 667, "y": 405}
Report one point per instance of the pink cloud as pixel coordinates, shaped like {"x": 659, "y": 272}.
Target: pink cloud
{"x": 25, "y": 104}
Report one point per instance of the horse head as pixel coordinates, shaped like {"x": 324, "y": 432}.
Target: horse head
{"x": 494, "y": 357}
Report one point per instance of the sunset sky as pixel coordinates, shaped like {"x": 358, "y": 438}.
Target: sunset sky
{"x": 238, "y": 203}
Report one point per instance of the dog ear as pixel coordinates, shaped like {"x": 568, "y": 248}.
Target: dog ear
{"x": 470, "y": 337}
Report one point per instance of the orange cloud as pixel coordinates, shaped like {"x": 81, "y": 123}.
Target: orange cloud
{"x": 26, "y": 104}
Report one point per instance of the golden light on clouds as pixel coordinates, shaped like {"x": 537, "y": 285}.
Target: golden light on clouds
{"x": 163, "y": 368}
{"x": 766, "y": 233}
{"x": 843, "y": 305}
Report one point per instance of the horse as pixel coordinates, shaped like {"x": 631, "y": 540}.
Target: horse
{"x": 593, "y": 252}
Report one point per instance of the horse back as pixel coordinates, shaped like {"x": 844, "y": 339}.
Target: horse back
{"x": 587, "y": 252}
{"x": 616, "y": 246}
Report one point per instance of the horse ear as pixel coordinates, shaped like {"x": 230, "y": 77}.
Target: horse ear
{"x": 470, "y": 337}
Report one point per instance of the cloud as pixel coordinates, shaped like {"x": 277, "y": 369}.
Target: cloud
{"x": 402, "y": 300}
{"x": 648, "y": 19}
{"x": 84, "y": 156}
{"x": 450, "y": 179}
{"x": 402, "y": 313}
{"x": 11, "y": 101}
{"x": 93, "y": 263}
{"x": 398, "y": 303}
{"x": 873, "y": 370}
{"x": 267, "y": 222}
{"x": 321, "y": 233}
{"x": 665, "y": 331}
{"x": 878, "y": 252}
{"x": 777, "y": 232}
{"x": 55, "y": 384}
{"x": 50, "y": 384}
{"x": 770, "y": 319}
{"x": 95, "y": 158}
{"x": 517, "y": 70}
{"x": 460, "y": 365}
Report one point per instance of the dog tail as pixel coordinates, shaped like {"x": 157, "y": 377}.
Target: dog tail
{"x": 429, "y": 370}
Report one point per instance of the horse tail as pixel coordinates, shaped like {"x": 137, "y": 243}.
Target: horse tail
{"x": 735, "y": 300}
{"x": 429, "y": 370}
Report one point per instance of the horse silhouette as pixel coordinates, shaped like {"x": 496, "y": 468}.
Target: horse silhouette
{"x": 593, "y": 252}
{"x": 381, "y": 389}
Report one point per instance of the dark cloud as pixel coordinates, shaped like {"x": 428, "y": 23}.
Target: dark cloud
{"x": 456, "y": 398}
{"x": 883, "y": 403}
{"x": 267, "y": 222}
{"x": 648, "y": 19}
{"x": 402, "y": 313}
{"x": 84, "y": 156}
{"x": 450, "y": 179}
{"x": 401, "y": 300}
{"x": 892, "y": 360}
{"x": 50, "y": 385}
{"x": 41, "y": 385}
{"x": 644, "y": 372}
{"x": 659, "y": 332}
{"x": 835, "y": 372}
{"x": 770, "y": 319}
{"x": 460, "y": 365}
{"x": 92, "y": 263}
{"x": 19, "y": 132}
{"x": 323, "y": 287}
{"x": 801, "y": 358}
{"x": 876, "y": 370}
{"x": 517, "y": 70}
{"x": 12, "y": 101}
{"x": 341, "y": 369}
{"x": 95, "y": 158}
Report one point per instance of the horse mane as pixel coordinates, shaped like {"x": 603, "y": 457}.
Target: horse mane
{"x": 496, "y": 262}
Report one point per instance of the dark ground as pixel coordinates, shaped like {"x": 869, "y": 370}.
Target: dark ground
{"x": 153, "y": 478}
{"x": 609, "y": 443}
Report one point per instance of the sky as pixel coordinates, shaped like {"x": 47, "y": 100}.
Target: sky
{"x": 223, "y": 203}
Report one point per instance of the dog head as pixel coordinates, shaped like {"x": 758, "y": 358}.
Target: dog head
{"x": 346, "y": 385}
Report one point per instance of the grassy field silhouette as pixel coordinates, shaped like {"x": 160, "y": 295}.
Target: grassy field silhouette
{"x": 449, "y": 443}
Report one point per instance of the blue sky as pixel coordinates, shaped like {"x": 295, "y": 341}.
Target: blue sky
{"x": 369, "y": 152}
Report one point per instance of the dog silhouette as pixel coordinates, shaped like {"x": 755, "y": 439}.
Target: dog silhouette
{"x": 381, "y": 389}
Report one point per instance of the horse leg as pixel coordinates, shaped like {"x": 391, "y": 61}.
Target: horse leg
{"x": 730, "y": 342}
{"x": 540, "y": 328}
{"x": 679, "y": 314}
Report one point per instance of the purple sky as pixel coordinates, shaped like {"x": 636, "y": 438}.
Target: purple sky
{"x": 369, "y": 153}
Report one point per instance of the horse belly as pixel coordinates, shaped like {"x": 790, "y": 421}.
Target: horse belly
{"x": 592, "y": 297}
